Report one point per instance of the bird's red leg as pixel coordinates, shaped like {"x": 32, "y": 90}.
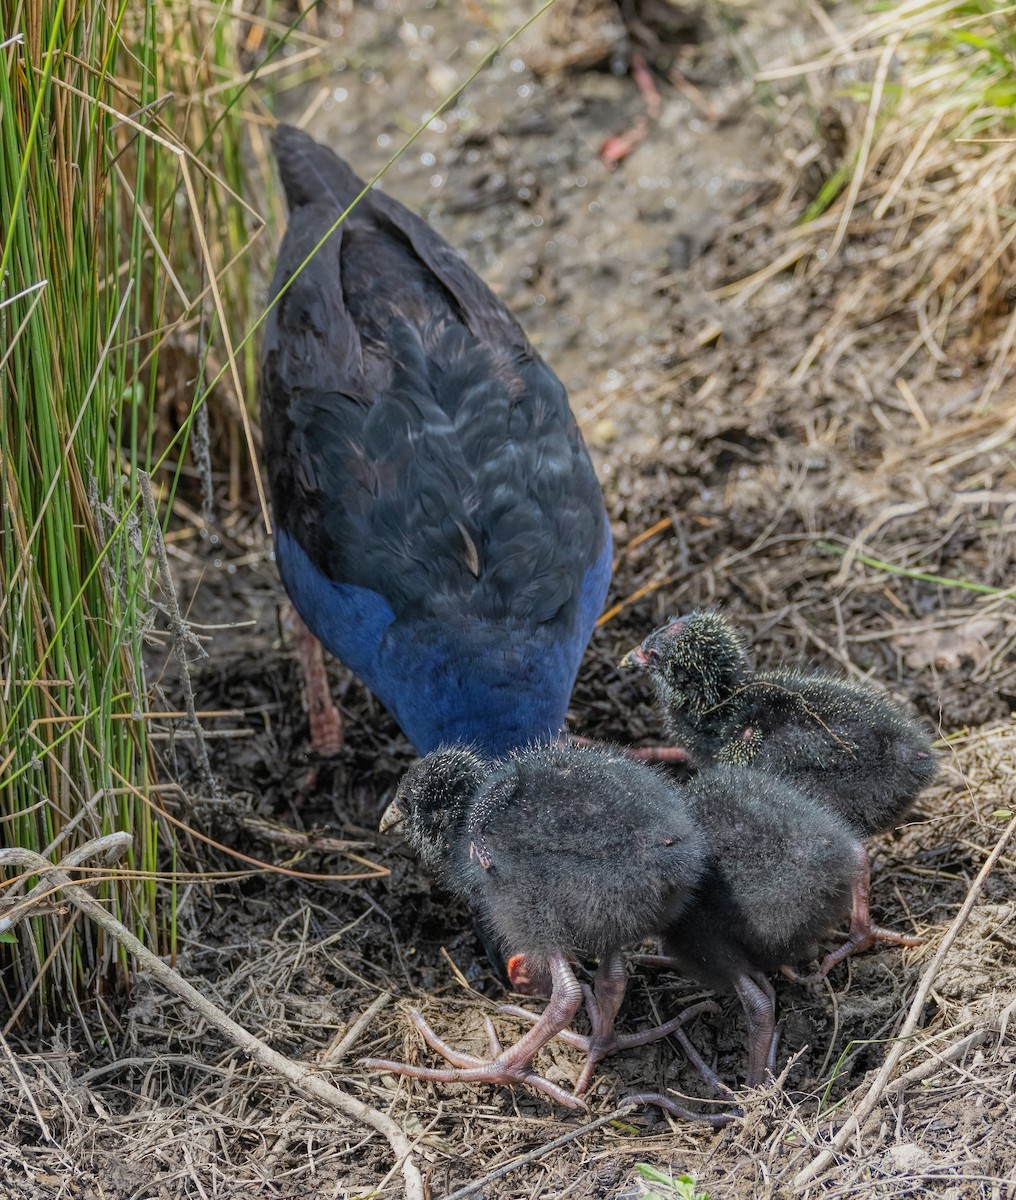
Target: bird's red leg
{"x": 672, "y": 754}
{"x": 863, "y": 934}
{"x": 619, "y": 145}
{"x": 759, "y": 1003}
{"x": 603, "y": 1002}
{"x": 510, "y": 1066}
{"x": 325, "y": 722}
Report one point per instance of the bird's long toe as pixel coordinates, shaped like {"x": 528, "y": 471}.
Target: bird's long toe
{"x": 878, "y": 934}
{"x": 675, "y": 1028}
{"x": 717, "y": 1120}
{"x": 596, "y": 1047}
{"x": 494, "y": 1072}
{"x": 513, "y": 1065}
{"x": 579, "y": 1040}
{"x": 664, "y": 754}
{"x": 858, "y": 940}
{"x": 458, "y": 1058}
{"x": 627, "y": 1041}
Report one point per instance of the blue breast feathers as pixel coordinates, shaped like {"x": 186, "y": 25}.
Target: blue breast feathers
{"x": 492, "y": 684}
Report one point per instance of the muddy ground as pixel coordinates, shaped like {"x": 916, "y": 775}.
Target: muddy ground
{"x": 741, "y": 455}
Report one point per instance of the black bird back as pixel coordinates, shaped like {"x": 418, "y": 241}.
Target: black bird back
{"x": 439, "y": 525}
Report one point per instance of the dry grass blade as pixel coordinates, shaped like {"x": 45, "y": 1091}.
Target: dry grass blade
{"x": 930, "y": 174}
{"x": 911, "y": 1024}
{"x": 298, "y": 1076}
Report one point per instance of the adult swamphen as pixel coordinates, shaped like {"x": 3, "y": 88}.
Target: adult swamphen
{"x": 438, "y": 524}
{"x": 843, "y": 742}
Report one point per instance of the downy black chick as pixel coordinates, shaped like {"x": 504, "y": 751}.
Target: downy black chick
{"x": 843, "y": 742}
{"x": 562, "y": 852}
{"x": 778, "y": 877}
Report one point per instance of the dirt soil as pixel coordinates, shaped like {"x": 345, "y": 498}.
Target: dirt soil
{"x": 741, "y": 455}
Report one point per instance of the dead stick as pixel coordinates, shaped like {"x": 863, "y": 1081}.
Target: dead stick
{"x": 293, "y": 839}
{"x": 535, "y": 1155}
{"x": 939, "y": 1059}
{"x": 342, "y": 1045}
{"x": 911, "y": 1024}
{"x": 304, "y": 1081}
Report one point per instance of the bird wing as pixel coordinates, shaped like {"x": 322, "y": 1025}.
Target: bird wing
{"x": 417, "y": 445}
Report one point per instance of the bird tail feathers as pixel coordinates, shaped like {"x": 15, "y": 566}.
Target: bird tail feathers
{"x": 312, "y": 173}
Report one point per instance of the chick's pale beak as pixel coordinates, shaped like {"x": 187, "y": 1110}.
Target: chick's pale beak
{"x": 635, "y": 657}
{"x": 393, "y": 815}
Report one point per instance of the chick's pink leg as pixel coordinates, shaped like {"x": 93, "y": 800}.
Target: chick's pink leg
{"x": 513, "y": 1065}
{"x": 863, "y": 933}
{"x": 603, "y": 1002}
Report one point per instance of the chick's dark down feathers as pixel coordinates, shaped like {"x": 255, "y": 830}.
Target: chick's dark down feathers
{"x": 562, "y": 853}
{"x": 586, "y": 851}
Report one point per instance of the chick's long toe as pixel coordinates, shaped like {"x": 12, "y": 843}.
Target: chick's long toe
{"x": 717, "y": 1120}
{"x": 603, "y": 1002}
{"x": 863, "y": 932}
{"x": 642, "y": 754}
{"x": 513, "y": 1065}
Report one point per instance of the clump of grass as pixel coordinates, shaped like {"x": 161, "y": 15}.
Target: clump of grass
{"x": 929, "y": 172}
{"x": 122, "y": 223}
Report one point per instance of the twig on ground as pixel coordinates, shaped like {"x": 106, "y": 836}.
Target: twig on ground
{"x": 298, "y": 1076}
{"x": 40, "y": 1120}
{"x": 312, "y": 842}
{"x": 879, "y": 1087}
{"x": 345, "y": 1041}
{"x": 938, "y": 1059}
{"x": 535, "y": 1155}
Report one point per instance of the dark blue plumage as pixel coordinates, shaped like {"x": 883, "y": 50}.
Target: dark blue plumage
{"x": 439, "y": 526}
